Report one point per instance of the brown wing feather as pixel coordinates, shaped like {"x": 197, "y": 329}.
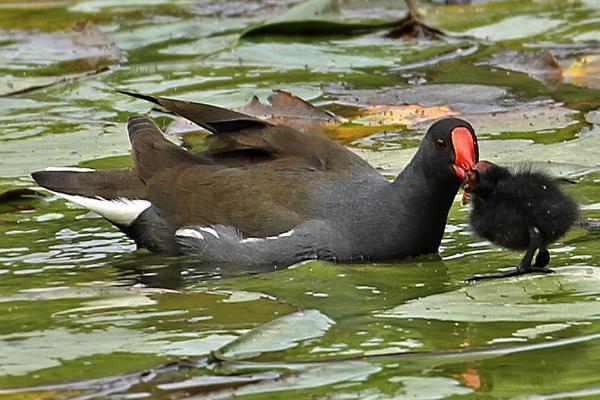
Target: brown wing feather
{"x": 262, "y": 200}
{"x": 152, "y": 152}
{"x": 243, "y": 139}
{"x": 212, "y": 118}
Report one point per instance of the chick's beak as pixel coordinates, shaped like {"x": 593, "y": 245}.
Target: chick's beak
{"x": 465, "y": 151}
{"x": 469, "y": 185}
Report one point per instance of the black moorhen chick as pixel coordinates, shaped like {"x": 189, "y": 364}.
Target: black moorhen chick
{"x": 525, "y": 210}
{"x": 269, "y": 194}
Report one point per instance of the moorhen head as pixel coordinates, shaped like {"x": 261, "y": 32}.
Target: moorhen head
{"x": 525, "y": 210}
{"x": 268, "y": 194}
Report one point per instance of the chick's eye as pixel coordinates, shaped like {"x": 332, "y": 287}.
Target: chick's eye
{"x": 440, "y": 144}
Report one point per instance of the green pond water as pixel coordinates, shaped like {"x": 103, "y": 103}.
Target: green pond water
{"x": 78, "y": 302}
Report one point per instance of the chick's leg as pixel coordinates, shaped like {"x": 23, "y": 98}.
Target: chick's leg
{"x": 525, "y": 266}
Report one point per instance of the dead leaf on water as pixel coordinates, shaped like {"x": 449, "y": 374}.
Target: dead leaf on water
{"x": 90, "y": 35}
{"x": 289, "y": 110}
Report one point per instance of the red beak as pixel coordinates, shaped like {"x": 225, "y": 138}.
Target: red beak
{"x": 465, "y": 151}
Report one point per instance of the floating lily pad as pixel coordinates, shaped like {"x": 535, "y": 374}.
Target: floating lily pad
{"x": 220, "y": 381}
{"x": 522, "y": 299}
{"x": 516, "y": 27}
{"x": 279, "y": 334}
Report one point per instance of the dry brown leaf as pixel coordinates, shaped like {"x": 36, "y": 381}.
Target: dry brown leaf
{"x": 286, "y": 109}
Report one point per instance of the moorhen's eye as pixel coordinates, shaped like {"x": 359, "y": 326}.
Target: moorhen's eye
{"x": 440, "y": 144}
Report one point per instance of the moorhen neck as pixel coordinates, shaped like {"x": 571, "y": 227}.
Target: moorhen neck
{"x": 264, "y": 193}
{"x": 519, "y": 211}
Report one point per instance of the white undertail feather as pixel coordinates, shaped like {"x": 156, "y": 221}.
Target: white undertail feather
{"x": 70, "y": 169}
{"x": 120, "y": 211}
{"x": 195, "y": 233}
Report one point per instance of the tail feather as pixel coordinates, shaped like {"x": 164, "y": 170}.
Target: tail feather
{"x": 108, "y": 184}
{"x": 117, "y": 194}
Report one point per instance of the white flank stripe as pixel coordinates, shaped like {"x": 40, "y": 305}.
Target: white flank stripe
{"x": 187, "y": 232}
{"x": 211, "y": 231}
{"x": 250, "y": 240}
{"x": 69, "y": 169}
{"x": 286, "y": 234}
{"x": 120, "y": 211}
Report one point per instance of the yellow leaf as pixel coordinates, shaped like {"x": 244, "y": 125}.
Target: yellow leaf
{"x": 584, "y": 71}
{"x": 407, "y": 115}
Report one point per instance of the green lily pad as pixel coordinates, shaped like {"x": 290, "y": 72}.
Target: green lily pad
{"x": 523, "y": 299}
{"x": 280, "y": 334}
{"x": 516, "y": 27}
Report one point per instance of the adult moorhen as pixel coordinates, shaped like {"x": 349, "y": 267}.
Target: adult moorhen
{"x": 525, "y": 210}
{"x": 264, "y": 193}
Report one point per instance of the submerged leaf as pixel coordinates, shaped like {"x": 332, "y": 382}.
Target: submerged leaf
{"x": 552, "y": 69}
{"x": 279, "y": 334}
{"x": 18, "y": 193}
{"x": 541, "y": 66}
